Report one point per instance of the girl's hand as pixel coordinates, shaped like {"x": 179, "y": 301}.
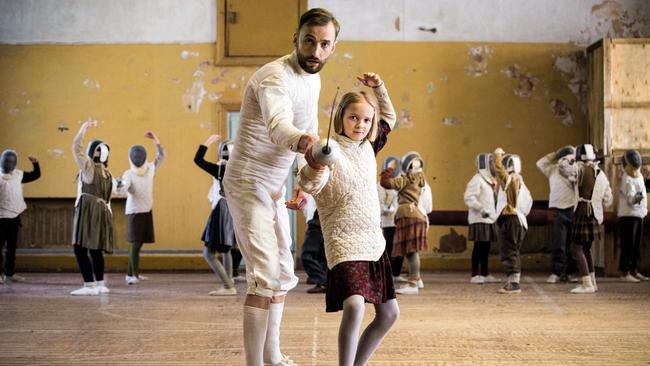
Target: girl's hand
{"x": 152, "y": 136}
{"x": 499, "y": 151}
{"x": 211, "y": 140}
{"x": 85, "y": 125}
{"x": 370, "y": 79}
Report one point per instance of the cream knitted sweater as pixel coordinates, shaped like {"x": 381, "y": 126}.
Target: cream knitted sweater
{"x": 348, "y": 205}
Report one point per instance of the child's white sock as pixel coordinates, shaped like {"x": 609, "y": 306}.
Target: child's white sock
{"x": 515, "y": 277}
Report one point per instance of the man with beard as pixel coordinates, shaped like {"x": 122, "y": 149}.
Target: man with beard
{"x": 278, "y": 119}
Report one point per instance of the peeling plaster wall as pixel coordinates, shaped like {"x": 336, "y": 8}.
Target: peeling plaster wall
{"x": 106, "y": 22}
{"x": 531, "y": 21}
{"x": 453, "y": 99}
{"x": 127, "y": 89}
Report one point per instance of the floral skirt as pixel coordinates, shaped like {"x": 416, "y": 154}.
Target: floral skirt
{"x": 372, "y": 280}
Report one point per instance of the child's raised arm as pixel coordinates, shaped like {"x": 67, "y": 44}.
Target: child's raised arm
{"x": 386, "y": 110}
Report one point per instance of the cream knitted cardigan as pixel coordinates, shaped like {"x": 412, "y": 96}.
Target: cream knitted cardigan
{"x": 348, "y": 205}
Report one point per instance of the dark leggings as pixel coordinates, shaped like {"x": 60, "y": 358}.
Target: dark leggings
{"x": 236, "y": 261}
{"x": 631, "y": 229}
{"x": 87, "y": 269}
{"x": 581, "y": 252}
{"x": 480, "y": 255}
{"x": 395, "y": 262}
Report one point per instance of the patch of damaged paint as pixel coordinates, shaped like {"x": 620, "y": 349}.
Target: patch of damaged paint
{"x": 63, "y": 127}
{"x": 451, "y": 121}
{"x": 326, "y": 110}
{"x": 176, "y": 80}
{"x": 205, "y": 125}
{"x": 430, "y": 87}
{"x": 509, "y": 125}
{"x": 562, "y": 112}
{"x": 444, "y": 78}
{"x": 612, "y": 19}
{"x": 193, "y": 96}
{"x": 397, "y": 24}
{"x": 92, "y": 84}
{"x": 526, "y": 82}
{"x": 214, "y": 96}
{"x": 56, "y": 153}
{"x": 574, "y": 70}
{"x": 479, "y": 57}
{"x": 348, "y": 56}
{"x": 204, "y": 64}
{"x": 452, "y": 242}
{"x": 187, "y": 54}
{"x": 14, "y": 111}
{"x": 405, "y": 120}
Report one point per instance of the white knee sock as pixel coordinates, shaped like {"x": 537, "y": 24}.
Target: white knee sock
{"x": 272, "y": 353}
{"x": 593, "y": 280}
{"x": 255, "y": 322}
{"x": 515, "y": 277}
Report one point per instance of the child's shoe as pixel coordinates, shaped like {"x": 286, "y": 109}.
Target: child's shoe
{"x": 477, "y": 280}
{"x": 553, "y": 278}
{"x": 224, "y": 292}
{"x": 409, "y": 289}
{"x": 101, "y": 287}
{"x": 510, "y": 288}
{"x": 629, "y": 278}
{"x": 89, "y": 289}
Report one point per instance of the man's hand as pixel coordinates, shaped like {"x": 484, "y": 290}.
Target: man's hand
{"x": 298, "y": 201}
{"x": 306, "y": 141}
{"x": 33, "y": 159}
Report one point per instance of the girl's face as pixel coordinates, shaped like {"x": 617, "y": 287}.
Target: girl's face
{"x": 357, "y": 120}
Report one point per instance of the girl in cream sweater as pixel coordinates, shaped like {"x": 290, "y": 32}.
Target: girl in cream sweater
{"x": 348, "y": 206}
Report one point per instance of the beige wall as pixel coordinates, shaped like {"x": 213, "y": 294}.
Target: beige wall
{"x": 132, "y": 88}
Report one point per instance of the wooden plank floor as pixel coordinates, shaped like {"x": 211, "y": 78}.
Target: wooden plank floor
{"x": 170, "y": 320}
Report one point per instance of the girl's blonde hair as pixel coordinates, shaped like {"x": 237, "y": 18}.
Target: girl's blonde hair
{"x": 355, "y": 97}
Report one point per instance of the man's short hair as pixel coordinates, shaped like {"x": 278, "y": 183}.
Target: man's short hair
{"x": 318, "y": 17}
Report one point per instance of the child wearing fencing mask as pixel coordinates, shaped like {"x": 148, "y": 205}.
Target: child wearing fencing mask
{"x": 389, "y": 204}
{"x": 593, "y": 194}
{"x": 93, "y": 218}
{"x": 349, "y": 211}
{"x": 411, "y": 223}
{"x": 137, "y": 184}
{"x": 219, "y": 232}
{"x": 513, "y": 205}
{"x": 480, "y": 197}
{"x": 632, "y": 208}
{"x": 12, "y": 204}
